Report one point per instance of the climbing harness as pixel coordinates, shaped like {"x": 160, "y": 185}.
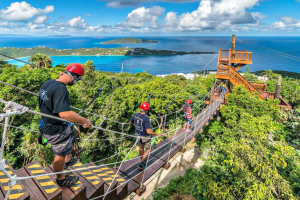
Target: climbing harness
{"x": 41, "y": 140}
{"x": 76, "y": 149}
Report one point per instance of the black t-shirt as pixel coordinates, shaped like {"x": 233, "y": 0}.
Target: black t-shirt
{"x": 53, "y": 99}
{"x": 141, "y": 123}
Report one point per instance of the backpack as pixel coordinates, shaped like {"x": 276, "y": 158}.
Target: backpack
{"x": 185, "y": 107}
{"x": 187, "y": 111}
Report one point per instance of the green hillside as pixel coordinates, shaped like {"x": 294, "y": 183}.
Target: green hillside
{"x": 129, "y": 40}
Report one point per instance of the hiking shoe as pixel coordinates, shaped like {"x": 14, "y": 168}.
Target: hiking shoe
{"x": 141, "y": 166}
{"x": 71, "y": 162}
{"x": 184, "y": 129}
{"x": 68, "y": 181}
{"x": 188, "y": 130}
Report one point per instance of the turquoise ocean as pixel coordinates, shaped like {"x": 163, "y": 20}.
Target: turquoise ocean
{"x": 275, "y": 53}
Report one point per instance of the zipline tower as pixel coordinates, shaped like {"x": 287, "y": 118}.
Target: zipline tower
{"x": 230, "y": 61}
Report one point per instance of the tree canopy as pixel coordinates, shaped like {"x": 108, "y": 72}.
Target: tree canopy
{"x": 114, "y": 102}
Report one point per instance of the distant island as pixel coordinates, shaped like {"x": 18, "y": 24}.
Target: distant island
{"x": 59, "y": 36}
{"x": 129, "y": 40}
{"x": 98, "y": 37}
{"x": 121, "y": 51}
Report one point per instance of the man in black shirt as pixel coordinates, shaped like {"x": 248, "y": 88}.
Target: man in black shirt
{"x": 54, "y": 100}
{"x": 143, "y": 128}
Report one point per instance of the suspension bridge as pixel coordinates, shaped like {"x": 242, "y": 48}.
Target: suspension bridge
{"x": 99, "y": 181}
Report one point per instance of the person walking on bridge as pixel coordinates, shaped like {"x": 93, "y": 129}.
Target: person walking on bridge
{"x": 223, "y": 88}
{"x": 143, "y": 128}
{"x": 54, "y": 101}
{"x": 186, "y": 108}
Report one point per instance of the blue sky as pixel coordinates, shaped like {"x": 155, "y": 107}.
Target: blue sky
{"x": 144, "y": 17}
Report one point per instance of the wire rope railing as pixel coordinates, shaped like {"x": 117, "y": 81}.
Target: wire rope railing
{"x": 18, "y": 109}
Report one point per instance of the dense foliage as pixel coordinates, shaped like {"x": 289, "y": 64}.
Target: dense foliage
{"x": 253, "y": 151}
{"x": 115, "y": 103}
{"x": 290, "y": 87}
{"x": 247, "y": 155}
{"x": 180, "y": 186}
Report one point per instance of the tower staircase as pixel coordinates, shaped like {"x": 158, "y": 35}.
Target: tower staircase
{"x": 228, "y": 64}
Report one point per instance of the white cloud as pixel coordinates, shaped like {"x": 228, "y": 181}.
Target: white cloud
{"x": 279, "y": 25}
{"x": 171, "y": 19}
{"x": 286, "y": 23}
{"x": 136, "y": 3}
{"x": 258, "y": 16}
{"x": 289, "y": 20}
{"x": 210, "y": 16}
{"x": 216, "y": 15}
{"x": 48, "y": 9}
{"x": 88, "y": 15}
{"x": 77, "y": 22}
{"x": 141, "y": 16}
{"x": 22, "y": 11}
{"x": 40, "y": 19}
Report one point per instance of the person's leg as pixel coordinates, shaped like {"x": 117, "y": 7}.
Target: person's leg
{"x": 58, "y": 166}
{"x": 189, "y": 124}
{"x": 141, "y": 152}
{"x": 186, "y": 120}
{"x": 67, "y": 158}
{"x": 145, "y": 155}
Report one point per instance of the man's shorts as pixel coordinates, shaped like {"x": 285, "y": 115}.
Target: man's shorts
{"x": 188, "y": 121}
{"x": 144, "y": 142}
{"x": 61, "y": 143}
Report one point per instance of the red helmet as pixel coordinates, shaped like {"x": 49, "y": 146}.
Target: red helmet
{"x": 189, "y": 101}
{"x": 75, "y": 68}
{"x": 145, "y": 106}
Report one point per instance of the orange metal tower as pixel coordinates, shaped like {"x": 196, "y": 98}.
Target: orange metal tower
{"x": 230, "y": 61}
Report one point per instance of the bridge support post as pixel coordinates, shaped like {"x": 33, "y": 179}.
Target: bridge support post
{"x": 140, "y": 190}
{"x": 278, "y": 87}
{"x": 233, "y": 48}
{"x": 167, "y": 165}
{"x": 182, "y": 150}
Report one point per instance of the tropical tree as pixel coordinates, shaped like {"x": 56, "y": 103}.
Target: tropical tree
{"x": 41, "y": 60}
{"x": 247, "y": 70}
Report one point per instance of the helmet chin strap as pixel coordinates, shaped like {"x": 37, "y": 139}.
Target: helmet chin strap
{"x": 74, "y": 80}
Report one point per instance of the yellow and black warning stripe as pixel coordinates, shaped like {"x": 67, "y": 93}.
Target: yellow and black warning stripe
{"x": 108, "y": 175}
{"x": 77, "y": 185}
{"x": 16, "y": 191}
{"x": 45, "y": 181}
{"x": 87, "y": 173}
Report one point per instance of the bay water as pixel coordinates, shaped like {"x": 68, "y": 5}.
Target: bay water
{"x": 270, "y": 58}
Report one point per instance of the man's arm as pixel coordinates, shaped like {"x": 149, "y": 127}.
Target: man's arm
{"x": 180, "y": 109}
{"x": 75, "y": 118}
{"x": 150, "y": 132}
{"x": 131, "y": 122}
